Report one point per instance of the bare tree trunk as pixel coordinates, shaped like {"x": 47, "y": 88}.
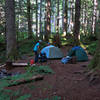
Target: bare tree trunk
{"x": 57, "y": 40}
{"x": 36, "y": 18}
{"x": 41, "y": 33}
{"x": 48, "y": 18}
{"x": 57, "y": 17}
{"x": 29, "y": 19}
{"x": 40, "y": 16}
{"x": 71, "y": 15}
{"x": 82, "y": 8}
{"x": 65, "y": 18}
{"x": 95, "y": 16}
{"x": 77, "y": 22}
{"x": 72, "y": 12}
{"x": 10, "y": 29}
{"x": 95, "y": 63}
{"x": 63, "y": 5}
{"x": 85, "y": 19}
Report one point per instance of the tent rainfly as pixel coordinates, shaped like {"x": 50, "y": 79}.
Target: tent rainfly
{"x": 52, "y": 52}
{"x": 79, "y": 52}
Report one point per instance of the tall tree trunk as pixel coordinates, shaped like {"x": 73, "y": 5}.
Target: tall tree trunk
{"x": 57, "y": 40}
{"x": 41, "y": 34}
{"x": 92, "y": 17}
{"x": 29, "y": 19}
{"x": 40, "y": 15}
{"x": 72, "y": 11}
{"x": 36, "y": 18}
{"x": 63, "y": 7}
{"x": 65, "y": 17}
{"x": 57, "y": 17}
{"x": 95, "y": 16}
{"x": 85, "y": 19}
{"x": 82, "y": 8}
{"x": 77, "y": 22}
{"x": 48, "y": 18}
{"x": 95, "y": 63}
{"x": 10, "y": 29}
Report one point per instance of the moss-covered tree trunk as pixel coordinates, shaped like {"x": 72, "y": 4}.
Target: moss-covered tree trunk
{"x": 95, "y": 63}
{"x": 77, "y": 22}
{"x": 10, "y": 30}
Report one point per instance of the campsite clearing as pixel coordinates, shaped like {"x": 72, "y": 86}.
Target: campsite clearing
{"x": 68, "y": 82}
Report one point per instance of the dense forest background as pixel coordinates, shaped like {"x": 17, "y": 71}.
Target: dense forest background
{"x": 60, "y": 22}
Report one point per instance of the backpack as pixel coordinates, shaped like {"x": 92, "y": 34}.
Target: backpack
{"x": 43, "y": 57}
{"x": 66, "y": 59}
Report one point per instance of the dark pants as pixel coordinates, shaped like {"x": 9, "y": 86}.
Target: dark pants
{"x": 36, "y": 56}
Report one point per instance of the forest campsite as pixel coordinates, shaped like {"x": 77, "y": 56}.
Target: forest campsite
{"x": 49, "y": 50}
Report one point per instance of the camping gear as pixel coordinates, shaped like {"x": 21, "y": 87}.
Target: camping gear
{"x": 43, "y": 57}
{"x": 52, "y": 52}
{"x": 31, "y": 61}
{"x": 73, "y": 60}
{"x": 79, "y": 52}
{"x": 66, "y": 59}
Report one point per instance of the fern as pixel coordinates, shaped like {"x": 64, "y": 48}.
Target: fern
{"x": 24, "y": 97}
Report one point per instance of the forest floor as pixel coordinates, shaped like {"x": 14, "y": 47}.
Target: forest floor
{"x": 69, "y": 82}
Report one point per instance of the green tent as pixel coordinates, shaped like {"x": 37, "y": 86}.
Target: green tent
{"x": 79, "y": 52}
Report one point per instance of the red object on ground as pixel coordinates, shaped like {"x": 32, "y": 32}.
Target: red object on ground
{"x": 31, "y": 61}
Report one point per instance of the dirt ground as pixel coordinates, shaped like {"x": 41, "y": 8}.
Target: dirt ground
{"x": 68, "y": 82}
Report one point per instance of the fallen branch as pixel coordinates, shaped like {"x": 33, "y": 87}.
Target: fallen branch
{"x": 23, "y": 81}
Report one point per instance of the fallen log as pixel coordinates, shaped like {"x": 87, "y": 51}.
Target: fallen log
{"x": 2, "y": 66}
{"x": 23, "y": 81}
{"x": 19, "y": 64}
{"x": 13, "y": 64}
{"x": 9, "y": 65}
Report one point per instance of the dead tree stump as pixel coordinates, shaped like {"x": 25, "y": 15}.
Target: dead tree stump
{"x": 9, "y": 65}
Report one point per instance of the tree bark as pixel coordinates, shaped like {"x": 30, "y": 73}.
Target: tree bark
{"x": 95, "y": 16}
{"x": 77, "y": 22}
{"x": 29, "y": 19}
{"x": 48, "y": 18}
{"x": 57, "y": 40}
{"x": 65, "y": 17}
{"x": 40, "y": 15}
{"x": 57, "y": 17}
{"x": 63, "y": 7}
{"x": 95, "y": 63}
{"x": 10, "y": 29}
{"x": 36, "y": 19}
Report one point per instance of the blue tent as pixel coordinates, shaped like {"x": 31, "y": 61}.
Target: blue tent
{"x": 52, "y": 52}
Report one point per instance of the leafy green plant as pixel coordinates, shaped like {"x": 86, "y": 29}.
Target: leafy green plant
{"x": 87, "y": 39}
{"x": 24, "y": 97}
{"x": 92, "y": 48}
{"x": 40, "y": 69}
{"x": 53, "y": 98}
{"x": 6, "y": 94}
{"x": 26, "y": 47}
